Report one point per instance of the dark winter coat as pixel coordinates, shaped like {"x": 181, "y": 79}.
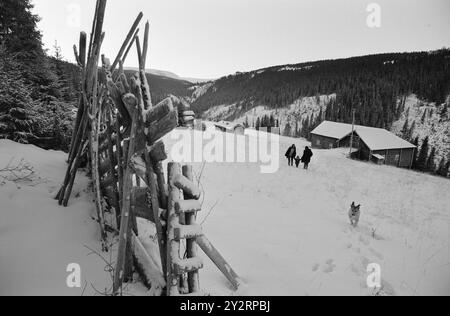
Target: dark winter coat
{"x": 291, "y": 153}
{"x": 307, "y": 155}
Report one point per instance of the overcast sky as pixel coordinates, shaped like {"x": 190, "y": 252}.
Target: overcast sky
{"x": 213, "y": 38}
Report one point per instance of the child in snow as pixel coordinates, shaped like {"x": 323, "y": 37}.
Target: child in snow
{"x": 297, "y": 161}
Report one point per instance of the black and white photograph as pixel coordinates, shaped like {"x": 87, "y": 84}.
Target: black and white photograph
{"x": 227, "y": 153}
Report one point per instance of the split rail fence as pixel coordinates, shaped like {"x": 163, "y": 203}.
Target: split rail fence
{"x": 118, "y": 133}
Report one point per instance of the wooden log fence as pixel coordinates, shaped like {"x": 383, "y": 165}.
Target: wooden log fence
{"x": 119, "y": 133}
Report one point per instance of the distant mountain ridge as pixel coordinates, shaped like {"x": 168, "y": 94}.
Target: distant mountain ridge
{"x": 168, "y": 74}
{"x": 371, "y": 85}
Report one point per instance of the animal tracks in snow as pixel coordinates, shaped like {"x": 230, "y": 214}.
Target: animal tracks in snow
{"x": 328, "y": 267}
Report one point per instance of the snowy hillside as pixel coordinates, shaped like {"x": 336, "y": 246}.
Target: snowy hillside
{"x": 294, "y": 114}
{"x": 285, "y": 233}
{"x": 425, "y": 120}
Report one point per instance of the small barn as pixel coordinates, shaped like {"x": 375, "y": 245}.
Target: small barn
{"x": 228, "y": 127}
{"x": 374, "y": 144}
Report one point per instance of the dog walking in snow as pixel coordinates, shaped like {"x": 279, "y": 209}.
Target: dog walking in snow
{"x": 354, "y": 214}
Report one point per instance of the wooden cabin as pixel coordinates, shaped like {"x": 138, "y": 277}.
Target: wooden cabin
{"x": 373, "y": 144}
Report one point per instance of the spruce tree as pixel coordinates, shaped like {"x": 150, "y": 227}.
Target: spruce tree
{"x": 287, "y": 130}
{"x": 405, "y": 129}
{"x": 424, "y": 116}
{"x": 447, "y": 168}
{"x": 444, "y": 113}
{"x": 411, "y": 131}
{"x": 431, "y": 165}
{"x": 423, "y": 156}
{"x": 416, "y": 152}
{"x": 15, "y": 101}
{"x": 443, "y": 168}
{"x": 258, "y": 124}
{"x": 22, "y": 39}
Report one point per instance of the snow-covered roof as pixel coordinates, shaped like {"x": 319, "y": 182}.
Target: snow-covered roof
{"x": 228, "y": 125}
{"x": 333, "y": 130}
{"x": 374, "y": 138}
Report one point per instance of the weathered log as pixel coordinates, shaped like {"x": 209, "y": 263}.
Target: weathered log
{"x": 219, "y": 261}
{"x": 78, "y": 131}
{"x": 145, "y": 47}
{"x": 96, "y": 169}
{"x": 124, "y": 58}
{"x": 190, "y": 207}
{"x": 158, "y": 112}
{"x": 163, "y": 194}
{"x": 118, "y": 101}
{"x": 77, "y": 137}
{"x": 153, "y": 189}
{"x": 66, "y": 190}
{"x": 188, "y": 232}
{"x": 139, "y": 167}
{"x": 124, "y": 235}
{"x": 82, "y": 47}
{"x": 127, "y": 40}
{"x": 142, "y": 205}
{"x": 188, "y": 113}
{"x": 74, "y": 162}
{"x": 96, "y": 43}
{"x": 125, "y": 84}
{"x": 191, "y": 265}
{"x": 113, "y": 173}
{"x": 130, "y": 102}
{"x": 187, "y": 118}
{"x": 149, "y": 267}
{"x": 187, "y": 186}
{"x": 173, "y": 246}
{"x": 139, "y": 51}
{"x": 94, "y": 24}
{"x": 158, "y": 152}
{"x": 161, "y": 128}
{"x": 77, "y": 57}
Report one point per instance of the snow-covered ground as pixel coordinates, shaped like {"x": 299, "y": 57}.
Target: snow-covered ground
{"x": 285, "y": 233}
{"x": 288, "y": 233}
{"x": 38, "y": 238}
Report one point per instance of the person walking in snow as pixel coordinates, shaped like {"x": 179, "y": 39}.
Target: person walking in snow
{"x": 290, "y": 155}
{"x": 306, "y": 159}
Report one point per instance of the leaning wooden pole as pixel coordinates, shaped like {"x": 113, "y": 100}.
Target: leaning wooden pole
{"x": 129, "y": 37}
{"x": 124, "y": 234}
{"x": 219, "y": 261}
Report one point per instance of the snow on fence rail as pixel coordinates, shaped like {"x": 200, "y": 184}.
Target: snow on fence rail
{"x": 118, "y": 132}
